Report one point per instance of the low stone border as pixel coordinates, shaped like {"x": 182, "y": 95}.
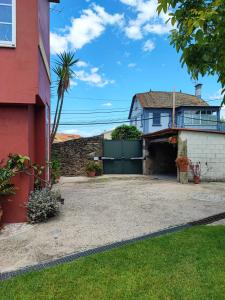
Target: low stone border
{"x": 75, "y": 256}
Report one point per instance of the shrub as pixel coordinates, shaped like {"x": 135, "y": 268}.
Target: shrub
{"x": 55, "y": 170}
{"x": 42, "y": 205}
{"x": 126, "y": 132}
{"x": 94, "y": 167}
{"x": 98, "y": 170}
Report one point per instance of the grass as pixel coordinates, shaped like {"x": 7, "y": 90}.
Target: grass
{"x": 186, "y": 265}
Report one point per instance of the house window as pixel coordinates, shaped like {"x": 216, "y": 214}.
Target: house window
{"x": 7, "y": 23}
{"x": 156, "y": 119}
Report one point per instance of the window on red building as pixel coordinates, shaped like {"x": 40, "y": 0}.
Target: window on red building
{"x": 7, "y": 23}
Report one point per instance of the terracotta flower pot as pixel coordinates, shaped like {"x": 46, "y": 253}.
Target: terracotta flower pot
{"x": 183, "y": 167}
{"x": 91, "y": 174}
{"x": 197, "y": 179}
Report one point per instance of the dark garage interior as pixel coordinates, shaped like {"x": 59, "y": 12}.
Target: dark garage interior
{"x": 162, "y": 156}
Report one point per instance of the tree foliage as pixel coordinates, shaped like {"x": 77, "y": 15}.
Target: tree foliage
{"x": 199, "y": 34}
{"x": 126, "y": 132}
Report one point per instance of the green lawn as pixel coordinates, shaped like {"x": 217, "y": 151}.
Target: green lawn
{"x": 186, "y": 265}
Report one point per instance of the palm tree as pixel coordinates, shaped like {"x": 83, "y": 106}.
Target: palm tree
{"x": 64, "y": 73}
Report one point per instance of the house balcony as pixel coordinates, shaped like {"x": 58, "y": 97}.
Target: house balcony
{"x": 206, "y": 120}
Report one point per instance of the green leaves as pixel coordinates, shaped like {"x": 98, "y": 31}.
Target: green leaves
{"x": 126, "y": 132}
{"x": 200, "y": 35}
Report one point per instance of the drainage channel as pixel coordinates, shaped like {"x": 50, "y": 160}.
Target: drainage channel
{"x": 75, "y": 256}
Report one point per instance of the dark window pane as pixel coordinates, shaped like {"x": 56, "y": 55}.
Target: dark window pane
{"x": 5, "y": 1}
{"x": 5, "y": 14}
{"x": 156, "y": 119}
{"x": 5, "y": 32}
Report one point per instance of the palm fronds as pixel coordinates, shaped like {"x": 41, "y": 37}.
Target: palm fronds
{"x": 64, "y": 72}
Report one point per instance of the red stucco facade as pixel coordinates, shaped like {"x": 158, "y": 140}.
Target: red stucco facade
{"x": 25, "y": 97}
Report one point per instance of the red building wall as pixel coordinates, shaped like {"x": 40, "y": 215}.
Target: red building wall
{"x": 25, "y": 97}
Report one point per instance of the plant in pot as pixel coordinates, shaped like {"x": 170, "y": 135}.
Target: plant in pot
{"x": 196, "y": 171}
{"x": 91, "y": 169}
{"x": 182, "y": 163}
{"x": 6, "y": 187}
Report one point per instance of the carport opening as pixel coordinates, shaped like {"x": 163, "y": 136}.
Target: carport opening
{"x": 163, "y": 158}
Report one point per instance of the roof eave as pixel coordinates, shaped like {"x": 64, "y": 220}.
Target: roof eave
{"x": 131, "y": 107}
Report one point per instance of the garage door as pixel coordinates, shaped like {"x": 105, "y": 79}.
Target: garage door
{"x": 122, "y": 157}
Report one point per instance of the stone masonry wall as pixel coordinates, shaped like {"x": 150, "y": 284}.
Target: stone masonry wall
{"x": 208, "y": 149}
{"x": 75, "y": 154}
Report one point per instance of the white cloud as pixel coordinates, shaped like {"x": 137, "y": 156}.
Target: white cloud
{"x": 157, "y": 28}
{"x": 73, "y": 83}
{"x": 147, "y": 19}
{"x": 108, "y": 104}
{"x": 58, "y": 43}
{"x": 81, "y": 64}
{"x": 148, "y": 46}
{"x": 218, "y": 95}
{"x": 129, "y": 2}
{"x": 132, "y": 65}
{"x": 83, "y": 30}
{"x": 93, "y": 77}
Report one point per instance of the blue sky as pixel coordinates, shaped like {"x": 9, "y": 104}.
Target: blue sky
{"x": 123, "y": 49}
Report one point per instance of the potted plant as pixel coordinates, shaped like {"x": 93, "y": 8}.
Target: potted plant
{"x": 6, "y": 188}
{"x": 91, "y": 169}
{"x": 196, "y": 171}
{"x": 182, "y": 163}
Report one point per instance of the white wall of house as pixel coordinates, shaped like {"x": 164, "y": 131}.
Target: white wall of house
{"x": 208, "y": 149}
{"x": 137, "y": 116}
{"x": 148, "y": 123}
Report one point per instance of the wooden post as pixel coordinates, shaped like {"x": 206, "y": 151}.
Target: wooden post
{"x": 174, "y": 109}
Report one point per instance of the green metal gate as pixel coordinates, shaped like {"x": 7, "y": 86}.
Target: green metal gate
{"x": 122, "y": 157}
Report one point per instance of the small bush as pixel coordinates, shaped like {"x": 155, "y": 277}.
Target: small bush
{"x": 55, "y": 170}
{"x": 94, "y": 167}
{"x": 98, "y": 170}
{"x": 42, "y": 205}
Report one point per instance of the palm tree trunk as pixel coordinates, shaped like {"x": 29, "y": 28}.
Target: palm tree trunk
{"x": 55, "y": 117}
{"x": 57, "y": 120}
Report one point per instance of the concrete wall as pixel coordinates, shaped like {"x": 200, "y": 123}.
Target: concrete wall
{"x": 75, "y": 154}
{"x": 209, "y": 150}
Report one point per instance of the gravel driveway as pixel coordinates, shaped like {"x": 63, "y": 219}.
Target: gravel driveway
{"x": 105, "y": 210}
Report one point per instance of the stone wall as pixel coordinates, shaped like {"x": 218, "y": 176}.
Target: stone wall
{"x": 75, "y": 154}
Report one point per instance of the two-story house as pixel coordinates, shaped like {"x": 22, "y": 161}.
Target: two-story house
{"x": 24, "y": 91}
{"x": 154, "y": 111}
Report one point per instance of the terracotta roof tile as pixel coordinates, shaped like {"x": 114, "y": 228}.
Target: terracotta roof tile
{"x": 63, "y": 137}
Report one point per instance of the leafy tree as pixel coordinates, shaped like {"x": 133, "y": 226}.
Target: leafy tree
{"x": 199, "y": 35}
{"x": 126, "y": 132}
{"x": 64, "y": 73}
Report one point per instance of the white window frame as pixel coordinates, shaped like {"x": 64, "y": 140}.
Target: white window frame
{"x": 12, "y": 43}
